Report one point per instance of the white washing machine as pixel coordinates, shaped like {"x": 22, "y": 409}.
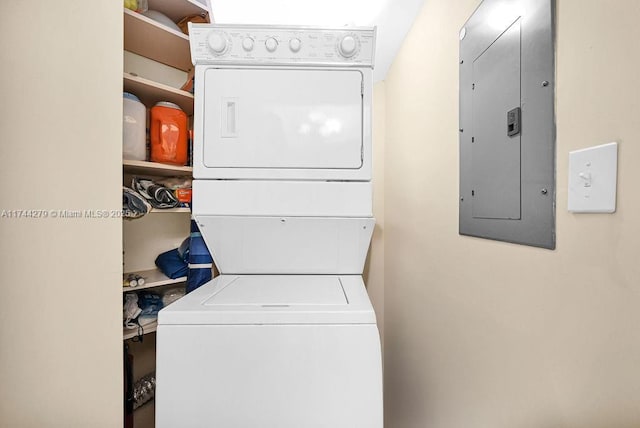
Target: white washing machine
{"x": 286, "y": 336}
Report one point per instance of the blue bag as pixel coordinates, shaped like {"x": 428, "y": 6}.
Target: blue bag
{"x": 172, "y": 264}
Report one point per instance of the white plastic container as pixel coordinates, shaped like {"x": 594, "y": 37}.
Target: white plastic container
{"x": 134, "y": 120}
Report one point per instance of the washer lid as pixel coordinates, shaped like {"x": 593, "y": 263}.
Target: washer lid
{"x": 280, "y": 291}
{"x": 273, "y": 299}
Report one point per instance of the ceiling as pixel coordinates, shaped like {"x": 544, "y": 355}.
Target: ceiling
{"x": 392, "y": 17}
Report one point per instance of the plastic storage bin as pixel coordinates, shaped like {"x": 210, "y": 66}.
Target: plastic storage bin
{"x": 134, "y": 130}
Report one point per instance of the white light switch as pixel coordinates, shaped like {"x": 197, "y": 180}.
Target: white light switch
{"x": 592, "y": 179}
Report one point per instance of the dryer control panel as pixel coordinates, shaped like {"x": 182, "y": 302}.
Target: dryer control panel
{"x": 281, "y": 45}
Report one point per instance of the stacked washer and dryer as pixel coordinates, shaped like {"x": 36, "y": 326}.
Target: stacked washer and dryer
{"x": 286, "y": 336}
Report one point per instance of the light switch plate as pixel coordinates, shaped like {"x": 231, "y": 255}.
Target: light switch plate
{"x": 592, "y": 179}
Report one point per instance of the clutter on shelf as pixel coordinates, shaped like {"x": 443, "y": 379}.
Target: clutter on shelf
{"x": 130, "y": 311}
{"x": 161, "y": 18}
{"x": 144, "y": 390}
{"x": 136, "y": 5}
{"x": 133, "y": 280}
{"x": 192, "y": 259}
{"x": 171, "y": 294}
{"x": 134, "y": 128}
{"x": 159, "y": 196}
{"x": 134, "y": 205}
{"x": 140, "y": 309}
{"x": 169, "y": 134}
{"x": 180, "y": 186}
{"x": 200, "y": 260}
{"x": 195, "y": 18}
{"x": 174, "y": 263}
{"x": 160, "y": 193}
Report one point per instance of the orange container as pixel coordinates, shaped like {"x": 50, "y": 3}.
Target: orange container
{"x": 168, "y": 134}
{"x": 183, "y": 195}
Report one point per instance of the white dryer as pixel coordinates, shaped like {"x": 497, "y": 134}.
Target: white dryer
{"x": 286, "y": 336}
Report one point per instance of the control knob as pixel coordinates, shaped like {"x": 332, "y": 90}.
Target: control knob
{"x": 271, "y": 44}
{"x": 247, "y": 44}
{"x": 217, "y": 42}
{"x": 295, "y": 45}
{"x": 348, "y": 46}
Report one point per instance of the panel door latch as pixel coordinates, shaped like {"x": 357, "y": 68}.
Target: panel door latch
{"x": 513, "y": 122}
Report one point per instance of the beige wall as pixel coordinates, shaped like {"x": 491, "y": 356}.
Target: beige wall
{"x": 60, "y": 298}
{"x": 374, "y": 268}
{"x": 487, "y": 334}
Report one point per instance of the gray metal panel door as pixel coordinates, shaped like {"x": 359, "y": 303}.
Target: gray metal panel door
{"x": 507, "y": 167}
{"x": 496, "y": 155}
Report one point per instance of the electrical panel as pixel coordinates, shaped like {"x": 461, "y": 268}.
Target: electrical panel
{"x": 507, "y": 128}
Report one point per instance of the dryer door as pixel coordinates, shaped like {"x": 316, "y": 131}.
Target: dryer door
{"x": 282, "y": 119}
